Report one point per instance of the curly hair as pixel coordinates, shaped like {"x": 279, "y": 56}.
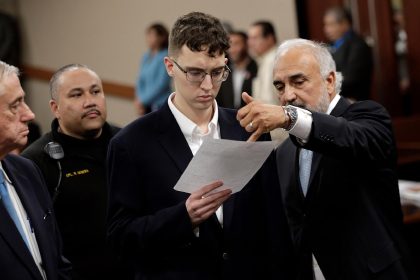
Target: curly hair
{"x": 199, "y": 32}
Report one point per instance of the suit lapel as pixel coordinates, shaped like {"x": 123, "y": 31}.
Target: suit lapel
{"x": 338, "y": 110}
{"x": 32, "y": 208}
{"x": 288, "y": 165}
{"x": 229, "y": 129}
{"x": 172, "y": 139}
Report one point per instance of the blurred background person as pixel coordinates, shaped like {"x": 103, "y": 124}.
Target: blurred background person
{"x": 243, "y": 71}
{"x": 402, "y": 60}
{"x": 72, "y": 159}
{"x": 352, "y": 56}
{"x": 11, "y": 53}
{"x": 153, "y": 84}
{"x": 10, "y": 47}
{"x": 262, "y": 42}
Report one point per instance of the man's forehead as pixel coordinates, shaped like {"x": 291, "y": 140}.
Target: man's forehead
{"x": 201, "y": 57}
{"x": 10, "y": 83}
{"x": 295, "y": 61}
{"x": 76, "y": 78}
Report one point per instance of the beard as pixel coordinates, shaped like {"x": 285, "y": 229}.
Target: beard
{"x": 321, "y": 106}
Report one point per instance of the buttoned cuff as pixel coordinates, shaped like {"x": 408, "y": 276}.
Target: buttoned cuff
{"x": 303, "y": 125}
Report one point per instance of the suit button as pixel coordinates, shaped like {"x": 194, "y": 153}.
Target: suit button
{"x": 225, "y": 256}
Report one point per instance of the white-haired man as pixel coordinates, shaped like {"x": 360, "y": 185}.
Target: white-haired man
{"x": 336, "y": 171}
{"x": 30, "y": 244}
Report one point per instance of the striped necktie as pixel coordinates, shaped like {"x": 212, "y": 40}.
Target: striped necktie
{"x": 305, "y": 162}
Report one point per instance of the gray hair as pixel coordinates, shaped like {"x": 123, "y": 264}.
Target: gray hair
{"x": 55, "y": 79}
{"x": 7, "y": 70}
{"x": 320, "y": 52}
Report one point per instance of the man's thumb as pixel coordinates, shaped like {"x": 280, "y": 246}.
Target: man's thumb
{"x": 247, "y": 98}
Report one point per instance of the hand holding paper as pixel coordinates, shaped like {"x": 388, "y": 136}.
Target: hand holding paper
{"x": 232, "y": 162}
{"x": 202, "y": 203}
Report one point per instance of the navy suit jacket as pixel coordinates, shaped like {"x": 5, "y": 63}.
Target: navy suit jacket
{"x": 150, "y": 226}
{"x": 16, "y": 262}
{"x": 351, "y": 217}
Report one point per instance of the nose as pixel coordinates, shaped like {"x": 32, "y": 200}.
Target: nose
{"x": 89, "y": 100}
{"x": 207, "y": 83}
{"x": 288, "y": 96}
{"x": 27, "y": 114}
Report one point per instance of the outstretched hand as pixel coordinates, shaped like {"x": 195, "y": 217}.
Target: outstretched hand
{"x": 259, "y": 118}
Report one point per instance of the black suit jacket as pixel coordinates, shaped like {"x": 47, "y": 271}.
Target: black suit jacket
{"x": 355, "y": 61}
{"x": 351, "y": 218}
{"x": 225, "y": 97}
{"x": 150, "y": 226}
{"x": 16, "y": 261}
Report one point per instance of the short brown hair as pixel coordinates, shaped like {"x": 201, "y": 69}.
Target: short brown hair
{"x": 199, "y": 32}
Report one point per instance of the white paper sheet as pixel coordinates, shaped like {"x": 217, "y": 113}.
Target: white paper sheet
{"x": 232, "y": 162}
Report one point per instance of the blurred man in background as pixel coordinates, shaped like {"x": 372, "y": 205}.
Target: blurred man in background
{"x": 244, "y": 70}
{"x": 352, "y": 56}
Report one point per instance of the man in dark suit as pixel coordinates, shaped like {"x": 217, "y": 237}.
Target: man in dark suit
{"x": 352, "y": 56}
{"x": 336, "y": 171}
{"x": 165, "y": 234}
{"x": 244, "y": 69}
{"x": 30, "y": 245}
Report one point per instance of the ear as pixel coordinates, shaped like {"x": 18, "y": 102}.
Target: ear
{"x": 330, "y": 83}
{"x": 54, "y": 108}
{"x": 169, "y": 66}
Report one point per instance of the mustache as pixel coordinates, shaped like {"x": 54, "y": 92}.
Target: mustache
{"x": 90, "y": 111}
{"x": 297, "y": 104}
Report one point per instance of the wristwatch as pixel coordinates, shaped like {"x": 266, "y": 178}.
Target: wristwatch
{"x": 292, "y": 114}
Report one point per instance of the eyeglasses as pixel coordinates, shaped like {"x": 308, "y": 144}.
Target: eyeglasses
{"x": 198, "y": 75}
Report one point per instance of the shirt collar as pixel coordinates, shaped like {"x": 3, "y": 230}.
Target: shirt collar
{"x": 4, "y": 173}
{"x": 188, "y": 127}
{"x": 333, "y": 103}
{"x": 341, "y": 40}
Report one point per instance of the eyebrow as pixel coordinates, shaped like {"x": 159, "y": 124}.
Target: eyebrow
{"x": 297, "y": 76}
{"x": 17, "y": 99}
{"x": 201, "y": 69}
{"x": 81, "y": 89}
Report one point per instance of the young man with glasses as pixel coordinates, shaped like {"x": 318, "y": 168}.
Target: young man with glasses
{"x": 210, "y": 234}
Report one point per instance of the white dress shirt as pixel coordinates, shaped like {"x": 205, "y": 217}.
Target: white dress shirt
{"x": 195, "y": 136}
{"x": 303, "y": 125}
{"x": 25, "y": 223}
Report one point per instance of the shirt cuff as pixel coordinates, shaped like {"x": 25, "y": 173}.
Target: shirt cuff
{"x": 303, "y": 125}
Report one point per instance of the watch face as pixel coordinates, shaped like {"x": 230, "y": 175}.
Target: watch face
{"x": 293, "y": 116}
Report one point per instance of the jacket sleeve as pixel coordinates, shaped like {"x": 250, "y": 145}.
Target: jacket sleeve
{"x": 365, "y": 133}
